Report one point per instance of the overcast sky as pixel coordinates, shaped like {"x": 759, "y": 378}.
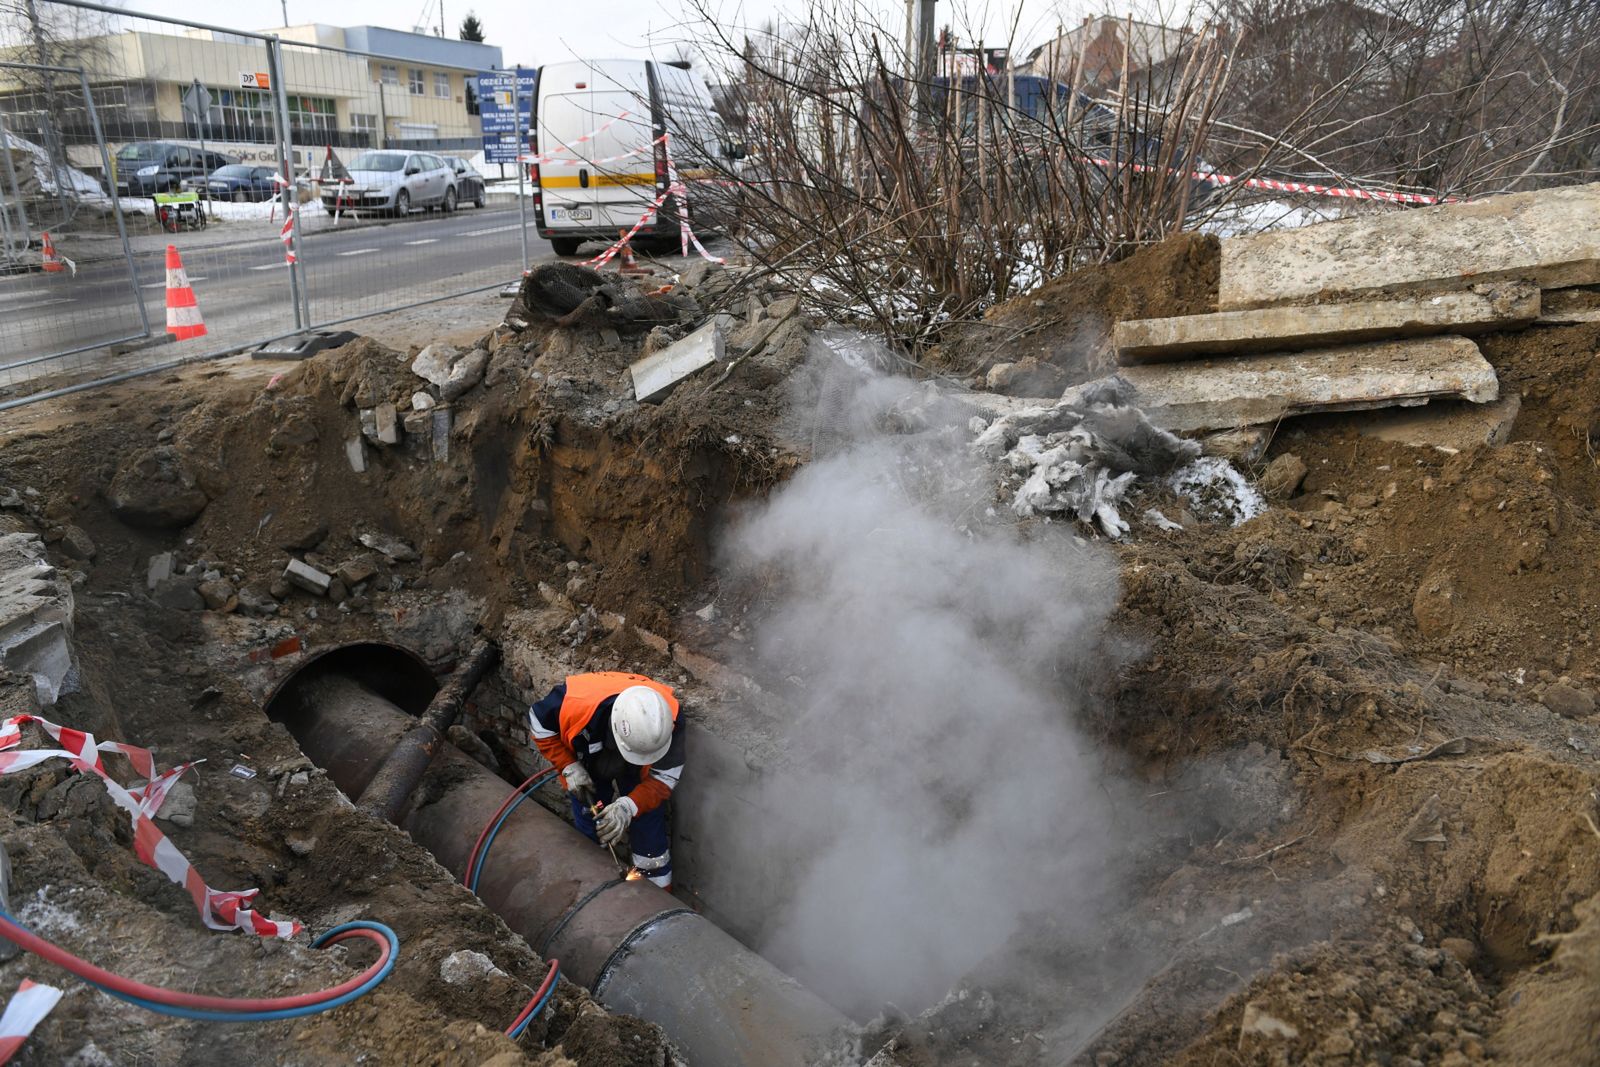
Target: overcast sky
{"x": 540, "y": 31}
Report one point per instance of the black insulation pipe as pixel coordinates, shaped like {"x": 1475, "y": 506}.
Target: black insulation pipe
{"x": 386, "y": 795}
{"x": 636, "y": 947}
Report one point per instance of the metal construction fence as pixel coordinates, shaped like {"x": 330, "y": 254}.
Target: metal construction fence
{"x": 128, "y": 138}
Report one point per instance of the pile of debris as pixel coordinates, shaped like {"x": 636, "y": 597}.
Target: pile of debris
{"x": 1328, "y": 318}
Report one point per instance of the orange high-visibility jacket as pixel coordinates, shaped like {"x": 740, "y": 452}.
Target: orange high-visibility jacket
{"x": 584, "y": 695}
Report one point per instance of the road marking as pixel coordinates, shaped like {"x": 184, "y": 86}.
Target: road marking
{"x": 41, "y": 304}
{"x": 425, "y": 241}
{"x": 270, "y": 266}
{"x": 162, "y": 285}
{"x": 496, "y": 229}
{"x": 356, "y": 252}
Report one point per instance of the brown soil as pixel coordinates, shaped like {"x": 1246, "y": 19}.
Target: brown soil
{"x": 1067, "y": 322}
{"x": 1345, "y": 711}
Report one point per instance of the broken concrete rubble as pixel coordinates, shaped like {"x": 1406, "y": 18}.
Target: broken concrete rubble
{"x": 1447, "y": 425}
{"x": 434, "y": 362}
{"x": 1281, "y": 329}
{"x": 385, "y": 421}
{"x": 1263, "y": 389}
{"x": 1080, "y": 459}
{"x": 1550, "y": 237}
{"x": 392, "y": 547}
{"x": 655, "y": 375}
{"x": 36, "y": 608}
{"x": 304, "y": 576}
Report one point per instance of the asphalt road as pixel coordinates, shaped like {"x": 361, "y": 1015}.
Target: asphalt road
{"x": 242, "y": 285}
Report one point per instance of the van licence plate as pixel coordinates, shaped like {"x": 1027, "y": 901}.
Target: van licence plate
{"x": 572, "y": 214}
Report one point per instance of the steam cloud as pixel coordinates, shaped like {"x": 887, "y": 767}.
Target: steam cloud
{"x": 934, "y": 788}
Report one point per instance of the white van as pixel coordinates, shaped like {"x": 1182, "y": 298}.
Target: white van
{"x": 597, "y": 126}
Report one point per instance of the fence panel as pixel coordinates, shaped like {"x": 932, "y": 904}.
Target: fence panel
{"x": 250, "y": 124}
{"x": 67, "y": 281}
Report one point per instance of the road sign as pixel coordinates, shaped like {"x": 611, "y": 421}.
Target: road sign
{"x": 197, "y": 102}
{"x": 505, "y": 107}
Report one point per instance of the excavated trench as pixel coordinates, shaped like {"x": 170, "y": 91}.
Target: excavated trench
{"x": 635, "y": 947}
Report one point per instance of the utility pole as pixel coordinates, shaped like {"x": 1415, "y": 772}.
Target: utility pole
{"x": 925, "y": 58}
{"x": 285, "y": 5}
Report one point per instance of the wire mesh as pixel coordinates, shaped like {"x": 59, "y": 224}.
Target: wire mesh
{"x": 211, "y": 135}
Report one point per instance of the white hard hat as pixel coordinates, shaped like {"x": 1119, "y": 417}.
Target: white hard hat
{"x": 641, "y": 722}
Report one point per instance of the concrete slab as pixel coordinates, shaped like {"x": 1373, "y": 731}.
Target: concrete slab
{"x": 1500, "y": 306}
{"x": 655, "y": 375}
{"x": 1565, "y": 307}
{"x": 1263, "y": 389}
{"x": 36, "y": 611}
{"x": 1446, "y": 425}
{"x": 1550, "y": 237}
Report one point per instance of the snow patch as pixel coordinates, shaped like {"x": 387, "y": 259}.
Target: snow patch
{"x": 1216, "y": 492}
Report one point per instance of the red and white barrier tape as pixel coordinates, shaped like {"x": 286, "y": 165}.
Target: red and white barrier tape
{"x": 649, "y": 215}
{"x": 685, "y": 234}
{"x": 219, "y": 910}
{"x": 544, "y": 161}
{"x": 25, "y": 1010}
{"x": 286, "y": 235}
{"x": 1288, "y": 187}
{"x": 554, "y": 153}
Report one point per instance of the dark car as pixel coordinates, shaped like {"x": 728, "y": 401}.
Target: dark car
{"x": 470, "y": 187}
{"x": 145, "y": 168}
{"x": 241, "y": 181}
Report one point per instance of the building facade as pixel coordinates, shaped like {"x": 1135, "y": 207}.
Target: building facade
{"x": 347, "y": 88}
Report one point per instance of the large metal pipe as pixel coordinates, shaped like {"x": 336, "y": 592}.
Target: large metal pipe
{"x": 636, "y": 947}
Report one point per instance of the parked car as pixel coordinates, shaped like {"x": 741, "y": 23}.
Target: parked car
{"x": 240, "y": 181}
{"x": 470, "y": 187}
{"x": 145, "y": 168}
{"x": 393, "y": 181}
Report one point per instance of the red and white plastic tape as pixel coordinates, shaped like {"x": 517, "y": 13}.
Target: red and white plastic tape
{"x": 1275, "y": 185}
{"x": 575, "y": 161}
{"x": 286, "y": 235}
{"x": 649, "y": 216}
{"x": 557, "y": 155}
{"x": 25, "y": 1010}
{"x": 218, "y": 909}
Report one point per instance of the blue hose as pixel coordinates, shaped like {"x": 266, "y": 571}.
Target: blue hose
{"x": 537, "y": 1008}
{"x": 266, "y": 1016}
{"x": 483, "y": 855}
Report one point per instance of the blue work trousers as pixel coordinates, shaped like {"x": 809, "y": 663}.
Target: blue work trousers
{"x": 647, "y": 834}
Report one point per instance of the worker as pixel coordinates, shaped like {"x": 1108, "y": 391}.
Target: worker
{"x": 616, "y": 738}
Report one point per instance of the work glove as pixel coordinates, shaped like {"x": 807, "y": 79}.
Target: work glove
{"x": 577, "y": 779}
{"x": 614, "y": 820}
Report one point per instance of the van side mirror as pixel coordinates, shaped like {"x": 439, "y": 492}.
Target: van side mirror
{"x": 734, "y": 150}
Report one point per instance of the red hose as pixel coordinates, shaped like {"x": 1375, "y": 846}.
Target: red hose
{"x": 86, "y": 970}
{"x": 544, "y": 987}
{"x": 472, "y": 860}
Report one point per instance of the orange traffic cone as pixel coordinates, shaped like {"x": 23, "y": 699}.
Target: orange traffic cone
{"x": 629, "y": 264}
{"x": 183, "y": 312}
{"x": 52, "y": 262}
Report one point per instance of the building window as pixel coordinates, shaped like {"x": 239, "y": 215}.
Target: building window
{"x": 389, "y": 74}
{"x": 312, "y": 114}
{"x": 416, "y": 81}
{"x": 441, "y": 85}
{"x": 363, "y": 123}
{"x": 241, "y": 115}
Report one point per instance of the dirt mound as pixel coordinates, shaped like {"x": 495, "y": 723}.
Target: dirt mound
{"x": 1066, "y": 323}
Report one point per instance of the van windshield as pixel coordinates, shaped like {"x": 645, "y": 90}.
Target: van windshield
{"x": 378, "y": 161}
{"x": 141, "y": 151}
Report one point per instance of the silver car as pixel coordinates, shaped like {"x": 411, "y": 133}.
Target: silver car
{"x": 393, "y": 181}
